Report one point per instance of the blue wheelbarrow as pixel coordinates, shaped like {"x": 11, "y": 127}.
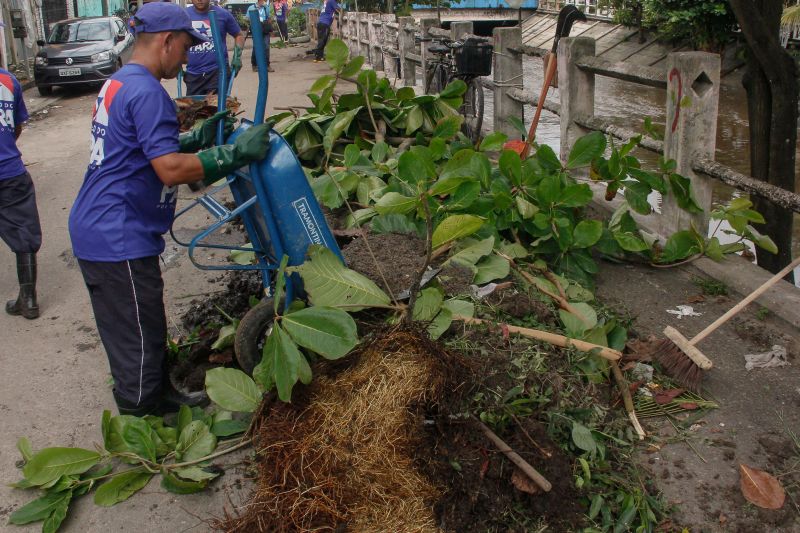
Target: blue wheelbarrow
{"x": 277, "y": 207}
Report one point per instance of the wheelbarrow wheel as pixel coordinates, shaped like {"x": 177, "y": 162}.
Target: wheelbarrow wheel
{"x": 252, "y": 333}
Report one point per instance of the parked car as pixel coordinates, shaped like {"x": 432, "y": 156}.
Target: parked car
{"x": 82, "y": 51}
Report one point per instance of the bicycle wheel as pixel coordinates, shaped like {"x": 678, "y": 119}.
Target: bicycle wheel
{"x": 472, "y": 110}
{"x": 437, "y": 79}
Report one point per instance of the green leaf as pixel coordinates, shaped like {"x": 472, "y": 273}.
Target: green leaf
{"x": 379, "y": 151}
{"x": 510, "y": 166}
{"x": 337, "y": 126}
{"x": 288, "y": 364}
{"x": 636, "y": 194}
{"x": 681, "y": 245}
{"x": 493, "y": 142}
{"x": 762, "y": 241}
{"x": 195, "y": 473}
{"x": 470, "y": 255}
{"x": 226, "y": 336}
{"x": 280, "y": 283}
{"x": 682, "y": 192}
{"x": 40, "y": 508}
{"x": 195, "y": 442}
{"x": 138, "y": 436}
{"x": 414, "y": 120}
{"x": 491, "y": 268}
{"x": 243, "y": 257}
{"x": 327, "y": 331}
{"x": 57, "y": 516}
{"x": 394, "y": 202}
{"x": 630, "y": 242}
{"x": 460, "y": 307}
{"x": 329, "y": 283}
{"x": 574, "y": 326}
{"x": 583, "y": 438}
{"x": 227, "y": 428}
{"x": 52, "y": 463}
{"x": 447, "y": 127}
{"x": 549, "y": 190}
{"x": 587, "y": 233}
{"x": 428, "y": 304}
{"x": 440, "y": 323}
{"x": 176, "y": 485}
{"x": 547, "y": 158}
{"x": 586, "y": 149}
{"x": 336, "y": 53}
{"x": 368, "y": 189}
{"x": 352, "y": 68}
{"x": 121, "y": 487}
{"x": 232, "y": 389}
{"x": 322, "y": 83}
{"x": 25, "y": 449}
{"x": 351, "y": 155}
{"x": 392, "y": 224}
{"x": 455, "y": 227}
{"x": 454, "y": 89}
{"x": 184, "y": 418}
{"x": 412, "y": 168}
{"x": 575, "y": 195}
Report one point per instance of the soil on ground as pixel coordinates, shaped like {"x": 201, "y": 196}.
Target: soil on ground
{"x": 399, "y": 257}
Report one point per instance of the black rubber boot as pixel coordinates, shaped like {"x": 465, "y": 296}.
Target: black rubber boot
{"x": 25, "y": 304}
{"x": 172, "y": 398}
{"x": 127, "y": 408}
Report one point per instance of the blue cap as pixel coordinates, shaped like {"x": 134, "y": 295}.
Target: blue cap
{"x": 155, "y": 17}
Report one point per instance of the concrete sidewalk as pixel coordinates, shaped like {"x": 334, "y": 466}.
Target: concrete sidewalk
{"x": 55, "y": 381}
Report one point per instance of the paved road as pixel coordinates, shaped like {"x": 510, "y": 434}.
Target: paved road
{"x": 55, "y": 382}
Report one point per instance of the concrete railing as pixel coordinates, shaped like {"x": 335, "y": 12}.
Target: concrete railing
{"x": 691, "y": 81}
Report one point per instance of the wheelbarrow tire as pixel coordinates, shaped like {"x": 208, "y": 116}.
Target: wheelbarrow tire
{"x": 251, "y": 333}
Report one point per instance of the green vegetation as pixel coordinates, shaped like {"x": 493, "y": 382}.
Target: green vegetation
{"x": 711, "y": 287}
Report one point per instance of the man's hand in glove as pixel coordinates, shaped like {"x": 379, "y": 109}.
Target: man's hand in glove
{"x": 205, "y": 135}
{"x": 236, "y": 62}
{"x": 251, "y": 145}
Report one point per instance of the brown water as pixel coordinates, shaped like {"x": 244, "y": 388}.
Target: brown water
{"x": 627, "y": 104}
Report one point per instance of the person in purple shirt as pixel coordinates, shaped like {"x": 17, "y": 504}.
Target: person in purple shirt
{"x": 19, "y": 218}
{"x": 202, "y": 71}
{"x": 127, "y": 202}
{"x": 324, "y": 28}
{"x": 281, "y": 13}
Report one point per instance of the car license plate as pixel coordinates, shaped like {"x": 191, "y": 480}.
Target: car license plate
{"x": 69, "y": 72}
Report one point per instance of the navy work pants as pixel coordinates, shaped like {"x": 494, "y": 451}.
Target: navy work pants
{"x": 19, "y": 218}
{"x": 323, "y": 31}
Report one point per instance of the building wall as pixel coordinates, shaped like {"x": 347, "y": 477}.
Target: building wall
{"x": 94, "y": 8}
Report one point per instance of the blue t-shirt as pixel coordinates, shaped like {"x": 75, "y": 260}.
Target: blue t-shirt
{"x": 281, "y": 11}
{"x": 326, "y": 17}
{"x": 202, "y": 58}
{"x": 123, "y": 208}
{"x": 12, "y": 114}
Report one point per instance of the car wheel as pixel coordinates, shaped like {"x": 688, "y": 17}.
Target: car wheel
{"x": 44, "y": 91}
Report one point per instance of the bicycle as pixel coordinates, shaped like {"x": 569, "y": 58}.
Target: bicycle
{"x": 461, "y": 60}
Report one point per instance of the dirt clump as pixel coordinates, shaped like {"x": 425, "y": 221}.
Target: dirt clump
{"x": 522, "y": 305}
{"x": 455, "y": 279}
{"x": 234, "y": 300}
{"x": 399, "y": 255}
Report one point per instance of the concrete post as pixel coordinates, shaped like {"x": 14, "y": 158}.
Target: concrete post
{"x": 507, "y": 75}
{"x": 374, "y": 45}
{"x": 424, "y": 29}
{"x": 576, "y": 89}
{"x": 691, "y": 130}
{"x": 408, "y": 68}
{"x": 459, "y": 28}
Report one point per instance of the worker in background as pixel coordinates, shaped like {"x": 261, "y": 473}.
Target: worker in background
{"x": 324, "y": 28}
{"x": 202, "y": 72}
{"x": 281, "y": 15}
{"x": 127, "y": 202}
{"x": 19, "y": 218}
{"x": 262, "y": 7}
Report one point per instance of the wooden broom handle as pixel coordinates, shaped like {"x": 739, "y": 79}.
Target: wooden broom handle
{"x": 548, "y": 79}
{"x": 741, "y": 305}
{"x": 557, "y": 340}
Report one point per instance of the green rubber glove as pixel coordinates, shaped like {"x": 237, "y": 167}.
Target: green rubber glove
{"x": 219, "y": 161}
{"x": 205, "y": 135}
{"x": 236, "y": 62}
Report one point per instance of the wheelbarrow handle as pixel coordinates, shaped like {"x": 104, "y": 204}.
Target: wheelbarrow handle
{"x": 261, "y": 62}
{"x": 222, "y": 66}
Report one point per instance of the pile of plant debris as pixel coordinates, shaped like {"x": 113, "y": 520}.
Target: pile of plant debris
{"x": 192, "y": 110}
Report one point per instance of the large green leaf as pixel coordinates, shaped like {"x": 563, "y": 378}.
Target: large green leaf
{"x": 368, "y": 189}
{"x": 414, "y": 120}
{"x": 327, "y": 331}
{"x": 440, "y": 323}
{"x": 636, "y": 194}
{"x": 393, "y": 224}
{"x": 470, "y": 254}
{"x": 586, "y": 149}
{"x": 681, "y": 245}
{"x": 52, "y": 463}
{"x": 460, "y": 307}
{"x": 493, "y": 142}
{"x": 337, "y": 126}
{"x": 176, "y": 485}
{"x": 454, "y": 89}
{"x": 227, "y": 428}
{"x": 583, "y": 438}
{"x": 575, "y": 195}
{"x": 232, "y": 389}
{"x": 138, "y": 436}
{"x": 195, "y": 442}
{"x": 682, "y": 192}
{"x": 57, "y": 516}
{"x": 428, "y": 304}
{"x": 455, "y": 227}
{"x": 394, "y": 202}
{"x": 195, "y": 473}
{"x": 336, "y": 53}
{"x": 40, "y": 508}
{"x": 491, "y": 268}
{"x": 587, "y": 233}
{"x": 121, "y": 487}
{"x": 288, "y": 364}
{"x": 329, "y": 283}
{"x": 25, "y": 448}
{"x": 353, "y": 67}
{"x": 447, "y": 127}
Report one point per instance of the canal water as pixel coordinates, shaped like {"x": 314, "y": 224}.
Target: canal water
{"x": 627, "y": 104}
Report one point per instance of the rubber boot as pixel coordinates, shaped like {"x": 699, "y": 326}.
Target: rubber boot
{"x": 172, "y": 398}
{"x": 25, "y": 304}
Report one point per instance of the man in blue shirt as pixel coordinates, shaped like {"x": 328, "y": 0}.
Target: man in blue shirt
{"x": 262, "y": 6}
{"x": 202, "y": 71}
{"x": 127, "y": 201}
{"x": 19, "y": 218}
{"x": 324, "y": 28}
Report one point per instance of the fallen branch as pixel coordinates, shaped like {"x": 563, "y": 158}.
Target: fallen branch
{"x": 627, "y": 400}
{"x": 514, "y": 457}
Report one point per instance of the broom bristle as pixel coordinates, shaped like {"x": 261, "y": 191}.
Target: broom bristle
{"x": 678, "y": 365}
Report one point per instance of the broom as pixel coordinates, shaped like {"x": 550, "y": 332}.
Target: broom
{"x": 680, "y": 357}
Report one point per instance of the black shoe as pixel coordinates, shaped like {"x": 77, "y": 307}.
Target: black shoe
{"x": 25, "y": 304}
{"x": 127, "y": 408}
{"x": 172, "y": 399}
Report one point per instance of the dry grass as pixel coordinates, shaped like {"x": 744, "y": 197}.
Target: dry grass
{"x": 343, "y": 457}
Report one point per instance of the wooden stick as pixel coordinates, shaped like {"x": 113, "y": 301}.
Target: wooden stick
{"x": 515, "y": 458}
{"x": 627, "y": 400}
{"x": 557, "y": 340}
{"x": 548, "y": 79}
